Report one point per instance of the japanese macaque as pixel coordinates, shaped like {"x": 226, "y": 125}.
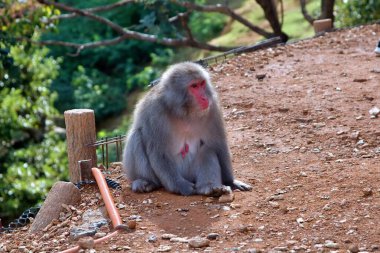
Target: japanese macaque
{"x": 177, "y": 139}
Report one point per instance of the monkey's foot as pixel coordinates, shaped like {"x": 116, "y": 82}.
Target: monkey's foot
{"x": 214, "y": 191}
{"x": 141, "y": 185}
{"x": 241, "y": 186}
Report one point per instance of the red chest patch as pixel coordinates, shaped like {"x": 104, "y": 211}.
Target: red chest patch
{"x": 184, "y": 150}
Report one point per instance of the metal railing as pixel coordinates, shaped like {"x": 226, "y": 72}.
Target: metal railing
{"x": 104, "y": 144}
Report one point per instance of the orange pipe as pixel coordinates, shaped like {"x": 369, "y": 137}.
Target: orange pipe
{"x": 107, "y": 198}
{"x": 110, "y": 206}
{"x": 97, "y": 241}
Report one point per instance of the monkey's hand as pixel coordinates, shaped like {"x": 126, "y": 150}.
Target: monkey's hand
{"x": 185, "y": 187}
{"x": 241, "y": 186}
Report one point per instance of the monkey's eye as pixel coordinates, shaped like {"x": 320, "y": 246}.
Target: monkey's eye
{"x": 203, "y": 83}
{"x": 194, "y": 85}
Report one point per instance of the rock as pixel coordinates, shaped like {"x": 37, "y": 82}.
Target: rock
{"x": 152, "y": 238}
{"x": 355, "y": 135}
{"x": 164, "y": 248}
{"x": 120, "y": 206}
{"x": 213, "y": 236}
{"x": 179, "y": 239}
{"x": 283, "y": 109}
{"x": 327, "y": 207}
{"x": 132, "y": 224}
{"x": 261, "y": 77}
{"x": 92, "y": 221}
{"x": 300, "y": 222}
{"x": 353, "y": 248}
{"x": 253, "y": 250}
{"x": 375, "y": 247}
{"x": 86, "y": 242}
{"x": 100, "y": 235}
{"x": 274, "y": 204}
{"x": 374, "y": 111}
{"x": 275, "y": 197}
{"x": 281, "y": 248}
{"x": 61, "y": 193}
{"x": 198, "y": 242}
{"x": 360, "y": 80}
{"x": 168, "y": 236}
{"x": 367, "y": 192}
{"x": 236, "y": 206}
{"x": 331, "y": 245}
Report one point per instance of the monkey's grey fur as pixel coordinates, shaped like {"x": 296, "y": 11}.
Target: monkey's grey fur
{"x": 167, "y": 119}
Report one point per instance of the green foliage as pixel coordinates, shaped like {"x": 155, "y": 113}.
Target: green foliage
{"x": 101, "y": 78}
{"x": 32, "y": 155}
{"x": 354, "y": 12}
{"x": 206, "y": 26}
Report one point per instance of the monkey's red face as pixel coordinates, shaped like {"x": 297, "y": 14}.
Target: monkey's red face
{"x": 197, "y": 88}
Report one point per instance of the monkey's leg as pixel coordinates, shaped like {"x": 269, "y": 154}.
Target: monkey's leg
{"x": 142, "y": 185}
{"x": 137, "y": 165}
{"x": 208, "y": 178}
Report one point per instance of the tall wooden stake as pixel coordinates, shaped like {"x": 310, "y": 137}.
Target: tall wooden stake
{"x": 80, "y": 132}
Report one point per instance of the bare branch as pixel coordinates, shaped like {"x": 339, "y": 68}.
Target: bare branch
{"x": 282, "y": 12}
{"x": 114, "y": 26}
{"x": 223, "y": 9}
{"x": 184, "y": 21}
{"x": 79, "y": 47}
{"x": 125, "y": 34}
{"x": 153, "y": 39}
{"x": 305, "y": 14}
{"x": 94, "y": 9}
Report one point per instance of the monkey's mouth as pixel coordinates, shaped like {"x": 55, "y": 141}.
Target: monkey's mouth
{"x": 203, "y": 103}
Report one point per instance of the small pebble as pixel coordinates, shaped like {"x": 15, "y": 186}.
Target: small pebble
{"x": 213, "y": 236}
{"x": 367, "y": 192}
{"x": 132, "y": 224}
{"x": 152, "y": 238}
{"x": 168, "y": 236}
{"x": 226, "y": 198}
{"x": 353, "y": 248}
{"x": 198, "y": 242}
{"x": 179, "y": 239}
{"x": 164, "y": 248}
{"x": 86, "y": 242}
{"x": 100, "y": 235}
{"x": 374, "y": 111}
{"x": 331, "y": 245}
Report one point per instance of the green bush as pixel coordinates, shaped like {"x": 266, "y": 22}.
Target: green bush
{"x": 354, "y": 12}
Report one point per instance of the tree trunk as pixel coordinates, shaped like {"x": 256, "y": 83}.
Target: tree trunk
{"x": 270, "y": 11}
{"x": 327, "y": 9}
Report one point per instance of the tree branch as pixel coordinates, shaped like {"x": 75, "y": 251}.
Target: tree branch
{"x": 109, "y": 23}
{"x": 125, "y": 34}
{"x": 223, "y": 9}
{"x": 94, "y": 9}
{"x": 305, "y": 14}
{"x": 184, "y": 18}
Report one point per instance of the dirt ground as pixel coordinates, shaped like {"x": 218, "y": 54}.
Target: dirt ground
{"x": 302, "y": 136}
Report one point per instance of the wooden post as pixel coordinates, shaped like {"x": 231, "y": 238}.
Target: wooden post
{"x": 322, "y": 25}
{"x": 80, "y": 132}
{"x": 85, "y": 170}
